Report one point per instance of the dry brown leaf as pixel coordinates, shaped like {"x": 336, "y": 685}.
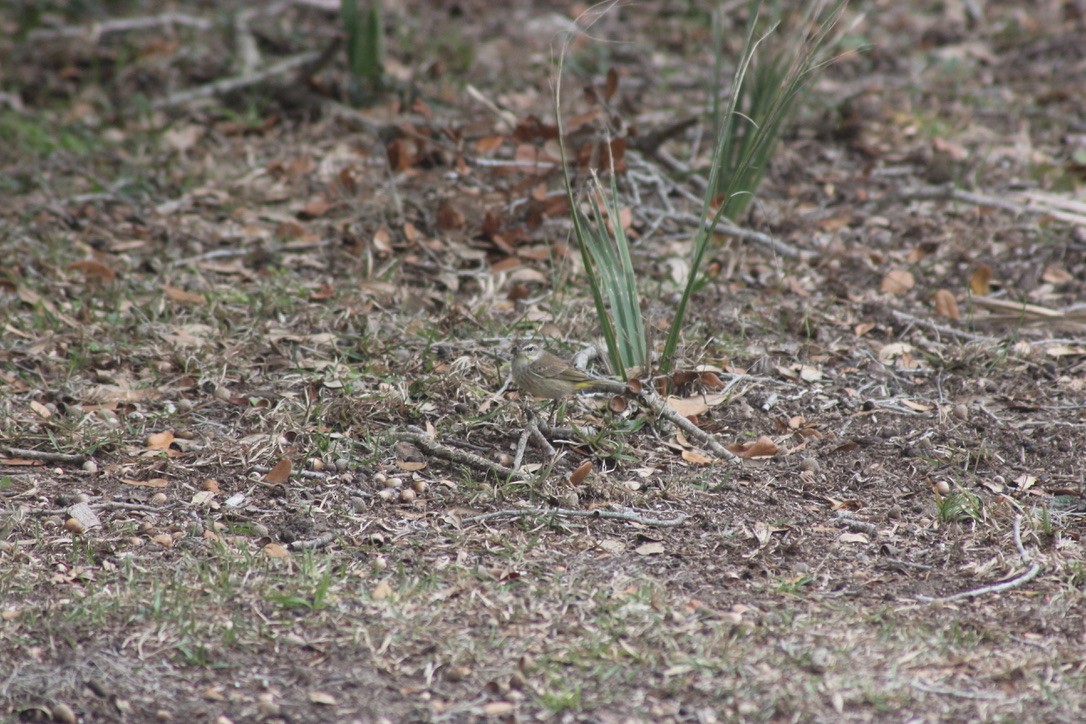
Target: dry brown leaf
{"x": 763, "y": 447}
{"x": 180, "y": 295}
{"x": 611, "y": 85}
{"x": 579, "y": 475}
{"x": 688, "y": 406}
{"x": 449, "y": 217}
{"x": 40, "y": 410}
{"x": 93, "y": 269}
{"x": 152, "y": 483}
{"x": 946, "y": 305}
{"x": 382, "y": 591}
{"x": 711, "y": 381}
{"x": 315, "y": 208}
{"x": 980, "y": 282}
{"x": 410, "y": 466}
{"x": 323, "y": 698}
{"x": 1056, "y": 275}
{"x": 889, "y": 352}
{"x": 280, "y": 473}
{"x": 649, "y": 549}
{"x": 486, "y": 144}
{"x": 897, "y": 281}
{"x": 274, "y": 550}
{"x": 696, "y": 457}
{"x": 853, "y": 538}
{"x": 160, "y": 440}
{"x": 495, "y": 709}
{"x": 918, "y": 406}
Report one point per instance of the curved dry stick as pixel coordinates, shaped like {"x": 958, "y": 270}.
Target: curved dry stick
{"x": 574, "y": 513}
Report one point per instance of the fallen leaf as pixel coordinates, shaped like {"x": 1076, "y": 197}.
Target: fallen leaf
{"x": 980, "y": 282}
{"x": 486, "y": 144}
{"x": 160, "y": 440}
{"x": 449, "y": 217}
{"x": 180, "y": 295}
{"x": 897, "y": 281}
{"x": 274, "y": 550}
{"x": 649, "y": 549}
{"x": 152, "y": 483}
{"x": 315, "y": 208}
{"x": 612, "y": 545}
{"x": 853, "y": 538}
{"x": 946, "y": 305}
{"x": 763, "y": 447}
{"x": 688, "y": 406}
{"x": 578, "y": 476}
{"x": 696, "y": 457}
{"x": 1056, "y": 275}
{"x": 93, "y": 269}
{"x": 320, "y": 697}
{"x": 889, "y": 352}
{"x": 382, "y": 591}
{"x": 85, "y": 515}
{"x": 280, "y": 473}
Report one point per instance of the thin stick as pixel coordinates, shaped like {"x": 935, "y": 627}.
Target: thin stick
{"x": 318, "y": 542}
{"x": 845, "y": 518}
{"x": 522, "y": 446}
{"x": 226, "y": 85}
{"x": 539, "y": 437}
{"x": 1034, "y": 569}
{"x": 44, "y": 455}
{"x": 660, "y": 407}
{"x": 572, "y": 513}
{"x": 432, "y": 446}
{"x": 96, "y": 30}
{"x": 943, "y": 329}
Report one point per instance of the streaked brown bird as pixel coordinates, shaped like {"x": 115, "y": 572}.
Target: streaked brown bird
{"x": 543, "y": 374}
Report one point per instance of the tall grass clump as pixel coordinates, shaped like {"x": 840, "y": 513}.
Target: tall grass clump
{"x": 773, "y": 69}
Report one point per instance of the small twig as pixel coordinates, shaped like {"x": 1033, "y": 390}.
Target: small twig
{"x": 96, "y": 30}
{"x": 539, "y": 437}
{"x": 315, "y": 474}
{"x": 110, "y": 505}
{"x": 432, "y": 446}
{"x": 522, "y": 446}
{"x": 571, "y": 513}
{"x": 909, "y": 564}
{"x": 952, "y": 193}
{"x": 227, "y": 85}
{"x": 772, "y": 243}
{"x": 943, "y": 329}
{"x": 44, "y": 455}
{"x": 1029, "y": 575}
{"x": 845, "y": 519}
{"x": 318, "y": 542}
{"x": 660, "y": 407}
{"x": 931, "y": 689}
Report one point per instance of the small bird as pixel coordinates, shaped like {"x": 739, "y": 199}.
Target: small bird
{"x": 542, "y": 374}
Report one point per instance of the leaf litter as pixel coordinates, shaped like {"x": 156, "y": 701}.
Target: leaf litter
{"x": 291, "y": 291}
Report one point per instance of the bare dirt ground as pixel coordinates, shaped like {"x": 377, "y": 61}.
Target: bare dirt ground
{"x": 195, "y": 290}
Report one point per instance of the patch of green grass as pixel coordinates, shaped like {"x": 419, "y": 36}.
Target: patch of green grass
{"x": 38, "y": 137}
{"x": 959, "y": 506}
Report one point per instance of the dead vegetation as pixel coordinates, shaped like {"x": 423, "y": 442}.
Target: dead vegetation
{"x": 256, "y": 457}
